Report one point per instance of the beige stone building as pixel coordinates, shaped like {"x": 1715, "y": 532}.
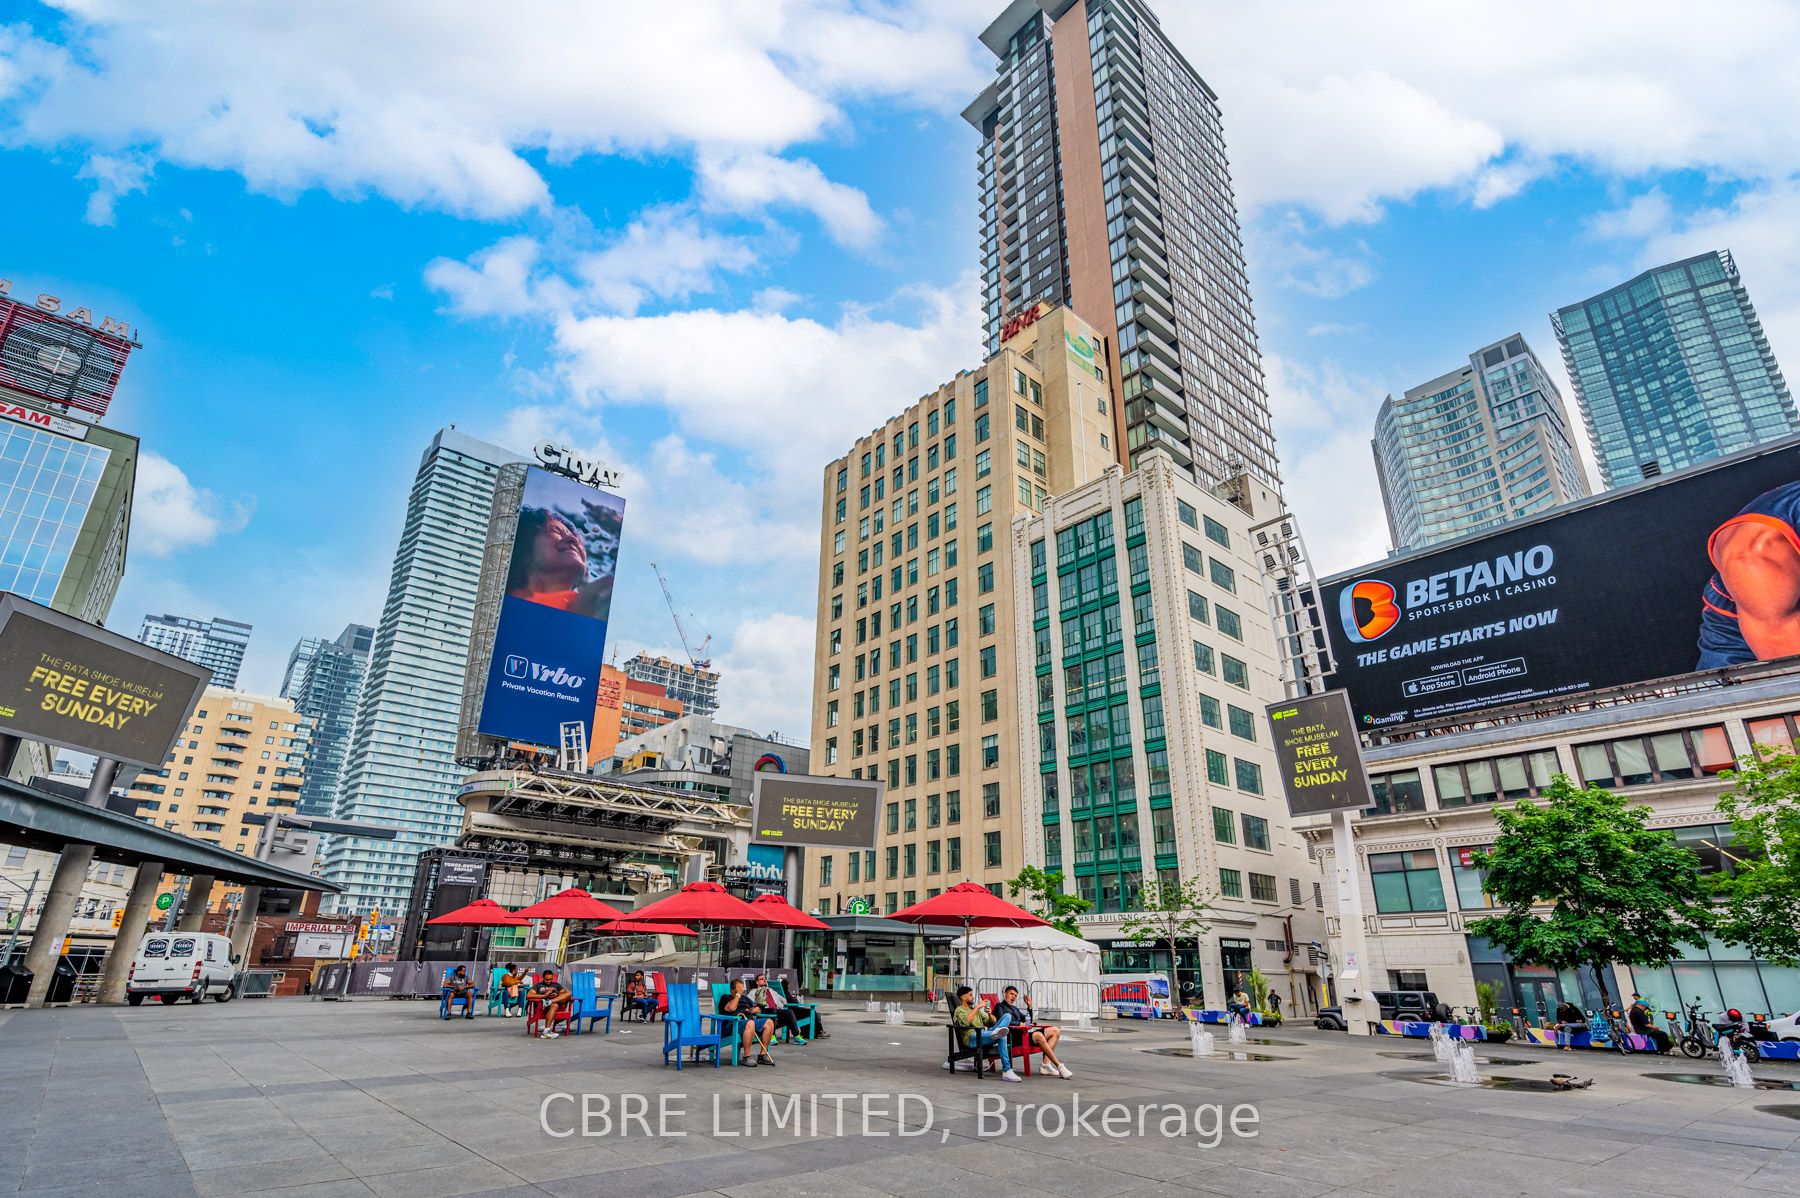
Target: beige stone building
{"x": 241, "y": 754}
{"x": 1141, "y": 616}
{"x": 916, "y": 667}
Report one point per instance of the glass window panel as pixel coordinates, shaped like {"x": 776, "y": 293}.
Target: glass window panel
{"x": 1668, "y": 750}
{"x": 1633, "y": 757}
{"x": 1592, "y": 764}
{"x": 1449, "y": 786}
{"x": 1515, "y": 780}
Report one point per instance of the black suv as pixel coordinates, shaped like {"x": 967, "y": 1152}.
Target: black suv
{"x": 1421, "y": 1006}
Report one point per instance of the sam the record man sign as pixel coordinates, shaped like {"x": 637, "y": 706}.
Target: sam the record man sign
{"x": 1320, "y": 758}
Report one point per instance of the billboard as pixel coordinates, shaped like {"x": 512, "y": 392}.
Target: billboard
{"x": 1320, "y": 757}
{"x": 551, "y": 638}
{"x": 807, "y": 810}
{"x": 68, "y": 683}
{"x": 1696, "y": 572}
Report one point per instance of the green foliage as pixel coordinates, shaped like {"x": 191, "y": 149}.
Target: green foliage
{"x": 1487, "y": 1001}
{"x": 1258, "y": 987}
{"x": 1762, "y": 893}
{"x": 1617, "y": 890}
{"x": 1044, "y": 897}
{"x": 1171, "y": 913}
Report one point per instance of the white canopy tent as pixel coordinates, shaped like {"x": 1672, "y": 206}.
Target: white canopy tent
{"x": 1060, "y": 972}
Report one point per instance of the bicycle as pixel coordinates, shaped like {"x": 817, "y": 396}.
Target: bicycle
{"x": 1618, "y": 1032}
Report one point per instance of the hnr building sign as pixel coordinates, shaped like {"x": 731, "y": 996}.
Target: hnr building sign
{"x": 1319, "y": 754}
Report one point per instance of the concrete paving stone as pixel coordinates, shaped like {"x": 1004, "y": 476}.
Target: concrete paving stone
{"x": 650, "y": 1182}
{"x": 582, "y": 1160}
{"x": 272, "y": 1175}
{"x": 252, "y": 1150}
{"x": 373, "y": 1160}
{"x": 802, "y": 1185}
{"x": 163, "y": 1186}
{"x": 320, "y": 1189}
{"x": 443, "y": 1182}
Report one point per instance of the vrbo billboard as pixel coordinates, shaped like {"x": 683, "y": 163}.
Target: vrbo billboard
{"x": 1694, "y": 573}
{"x": 551, "y": 637}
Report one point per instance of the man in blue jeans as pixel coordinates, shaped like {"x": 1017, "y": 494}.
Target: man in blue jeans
{"x": 977, "y": 1028}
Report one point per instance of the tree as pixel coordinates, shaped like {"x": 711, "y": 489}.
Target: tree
{"x": 1044, "y": 897}
{"x": 1761, "y": 890}
{"x": 1618, "y": 891}
{"x": 1169, "y": 912}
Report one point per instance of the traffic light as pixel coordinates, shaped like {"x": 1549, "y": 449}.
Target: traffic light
{"x": 118, "y": 917}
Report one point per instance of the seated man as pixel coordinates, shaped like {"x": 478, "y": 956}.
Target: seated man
{"x": 460, "y": 987}
{"x": 555, "y": 998}
{"x": 1045, "y": 1036}
{"x": 512, "y": 992}
{"x": 1238, "y": 1005}
{"x": 770, "y": 999}
{"x": 739, "y": 1003}
{"x": 1643, "y": 1022}
{"x": 979, "y": 1028}
{"x": 637, "y": 995}
{"x": 1569, "y": 1020}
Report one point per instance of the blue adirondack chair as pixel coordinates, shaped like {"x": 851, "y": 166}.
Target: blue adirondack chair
{"x": 496, "y": 996}
{"x": 589, "y": 1006}
{"x": 447, "y": 1003}
{"x": 685, "y": 1027}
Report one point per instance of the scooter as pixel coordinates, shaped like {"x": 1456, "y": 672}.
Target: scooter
{"x": 1736, "y": 1031}
{"x": 1695, "y": 1037}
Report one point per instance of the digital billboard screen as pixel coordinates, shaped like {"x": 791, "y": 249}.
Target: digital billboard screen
{"x": 68, "y": 683}
{"x": 1320, "y": 756}
{"x": 1696, "y": 573}
{"x": 805, "y": 809}
{"x": 551, "y": 636}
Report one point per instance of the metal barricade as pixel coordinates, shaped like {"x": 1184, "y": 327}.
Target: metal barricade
{"x": 259, "y": 983}
{"x": 1050, "y": 1000}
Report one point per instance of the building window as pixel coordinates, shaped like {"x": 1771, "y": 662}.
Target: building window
{"x": 1262, "y": 888}
{"x": 1256, "y": 832}
{"x": 990, "y": 752}
{"x": 1397, "y": 792}
{"x": 1235, "y": 672}
{"x": 1470, "y": 882}
{"x": 1192, "y": 559}
{"x": 1210, "y": 712}
{"x": 1184, "y": 512}
{"x": 990, "y": 849}
{"x": 1203, "y": 659}
{"x": 1224, "y": 827}
{"x": 1222, "y": 575}
{"x": 1516, "y": 776}
{"x": 1218, "y": 768}
{"x": 1249, "y": 776}
{"x": 893, "y": 861}
{"x": 1776, "y": 731}
{"x": 990, "y": 661}
{"x": 1243, "y": 724}
{"x": 1229, "y": 624}
{"x": 1676, "y": 755}
{"x": 990, "y": 706}
{"x": 1407, "y": 881}
{"x": 825, "y": 870}
{"x": 1217, "y": 533}
{"x": 1231, "y": 883}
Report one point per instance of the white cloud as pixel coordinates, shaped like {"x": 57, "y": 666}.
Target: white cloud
{"x": 664, "y": 254}
{"x": 1324, "y": 416}
{"x": 1280, "y": 249}
{"x": 497, "y": 281}
{"x": 1643, "y": 216}
{"x": 1624, "y": 86}
{"x": 751, "y": 182}
{"x": 443, "y": 103}
{"x": 766, "y": 676}
{"x": 169, "y": 513}
{"x": 112, "y": 177}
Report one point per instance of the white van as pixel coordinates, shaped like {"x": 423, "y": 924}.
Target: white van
{"x": 175, "y": 965}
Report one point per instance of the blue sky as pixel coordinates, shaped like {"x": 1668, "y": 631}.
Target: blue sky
{"x": 714, "y": 241}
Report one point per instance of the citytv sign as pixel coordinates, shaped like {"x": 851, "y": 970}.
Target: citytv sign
{"x": 570, "y": 464}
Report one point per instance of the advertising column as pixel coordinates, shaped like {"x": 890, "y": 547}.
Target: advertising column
{"x": 551, "y": 637}
{"x": 1322, "y": 773}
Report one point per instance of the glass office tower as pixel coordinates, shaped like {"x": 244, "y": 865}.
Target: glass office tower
{"x": 1672, "y": 368}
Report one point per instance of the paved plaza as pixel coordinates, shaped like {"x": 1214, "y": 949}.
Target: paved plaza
{"x": 378, "y": 1097}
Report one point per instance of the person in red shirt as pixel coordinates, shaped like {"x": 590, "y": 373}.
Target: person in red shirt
{"x": 550, "y": 566}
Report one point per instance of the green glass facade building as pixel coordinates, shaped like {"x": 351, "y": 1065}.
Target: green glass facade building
{"x": 1672, "y": 369}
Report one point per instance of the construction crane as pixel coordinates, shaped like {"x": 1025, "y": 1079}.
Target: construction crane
{"x": 696, "y": 657}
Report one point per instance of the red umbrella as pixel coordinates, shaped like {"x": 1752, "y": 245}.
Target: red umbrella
{"x": 573, "y": 903}
{"x": 789, "y": 915}
{"x": 632, "y": 927}
{"x": 703, "y": 903}
{"x": 482, "y": 913}
{"x": 971, "y": 906}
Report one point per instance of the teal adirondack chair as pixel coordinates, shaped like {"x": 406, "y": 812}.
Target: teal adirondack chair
{"x": 589, "y": 1006}
{"x": 685, "y": 1027}
{"x": 803, "y": 1011}
{"x": 731, "y": 1026}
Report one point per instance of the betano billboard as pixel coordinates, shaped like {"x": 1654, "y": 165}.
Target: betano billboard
{"x": 1695, "y": 573}
{"x": 67, "y": 683}
{"x": 551, "y": 638}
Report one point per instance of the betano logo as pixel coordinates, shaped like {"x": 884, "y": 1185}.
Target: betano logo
{"x": 524, "y": 667}
{"x": 1368, "y": 609}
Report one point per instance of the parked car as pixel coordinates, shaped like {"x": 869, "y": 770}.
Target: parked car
{"x": 1331, "y": 1019}
{"x": 1420, "y": 1006}
{"x": 171, "y": 966}
{"x": 1786, "y": 1027}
